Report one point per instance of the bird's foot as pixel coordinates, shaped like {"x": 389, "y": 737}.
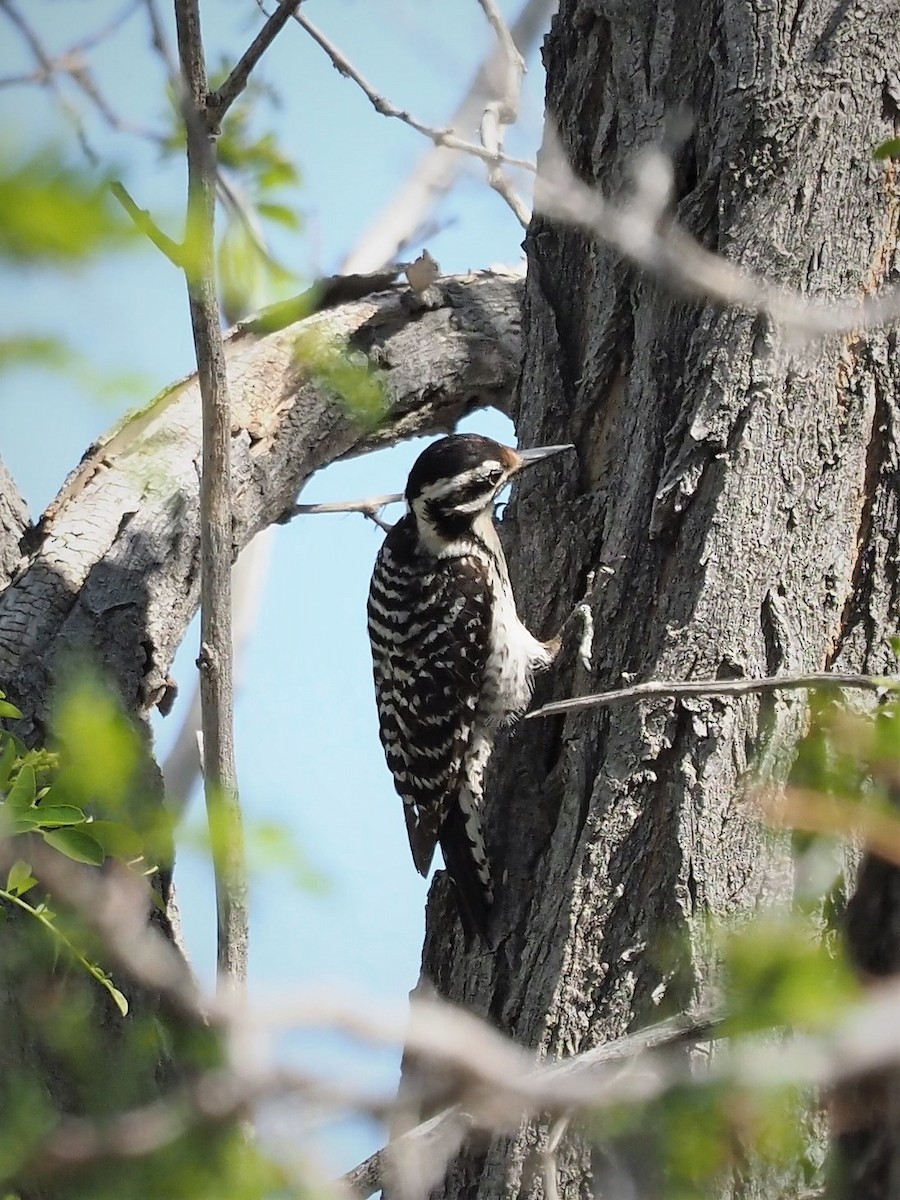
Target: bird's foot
{"x": 576, "y": 637}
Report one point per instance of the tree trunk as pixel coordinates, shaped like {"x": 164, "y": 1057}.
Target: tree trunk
{"x": 741, "y": 491}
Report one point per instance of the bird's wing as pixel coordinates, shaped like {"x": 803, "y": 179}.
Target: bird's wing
{"x": 430, "y": 645}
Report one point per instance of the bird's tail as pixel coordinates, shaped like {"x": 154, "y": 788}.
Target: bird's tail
{"x": 462, "y": 844}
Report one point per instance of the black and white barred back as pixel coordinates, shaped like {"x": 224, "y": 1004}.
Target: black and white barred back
{"x": 451, "y": 658}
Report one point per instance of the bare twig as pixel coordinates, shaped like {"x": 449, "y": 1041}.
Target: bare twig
{"x": 370, "y": 508}
{"x": 665, "y": 250}
{"x": 667, "y": 689}
{"x": 503, "y": 111}
{"x": 182, "y": 767}
{"x": 218, "y": 102}
{"x": 173, "y": 251}
{"x": 434, "y": 175}
{"x": 72, "y": 64}
{"x": 548, "y": 1156}
{"x": 513, "y": 61}
{"x": 497, "y": 1082}
{"x": 449, "y": 1128}
{"x": 48, "y": 72}
{"x": 440, "y": 137}
{"x": 216, "y": 540}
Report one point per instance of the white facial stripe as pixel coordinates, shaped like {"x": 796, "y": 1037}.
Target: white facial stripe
{"x": 479, "y": 474}
{"x": 472, "y": 506}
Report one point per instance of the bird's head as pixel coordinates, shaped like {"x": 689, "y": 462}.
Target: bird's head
{"x": 455, "y": 481}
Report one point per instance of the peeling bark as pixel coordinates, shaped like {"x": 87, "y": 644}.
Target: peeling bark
{"x": 743, "y": 491}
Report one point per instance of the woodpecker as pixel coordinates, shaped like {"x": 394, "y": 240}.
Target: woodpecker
{"x": 452, "y": 661}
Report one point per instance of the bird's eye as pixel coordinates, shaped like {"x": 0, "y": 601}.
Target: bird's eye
{"x": 495, "y": 475}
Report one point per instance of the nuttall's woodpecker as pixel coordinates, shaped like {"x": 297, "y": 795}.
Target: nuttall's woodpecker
{"x": 451, "y": 658}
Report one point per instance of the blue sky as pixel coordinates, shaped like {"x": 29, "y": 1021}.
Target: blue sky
{"x": 308, "y": 751}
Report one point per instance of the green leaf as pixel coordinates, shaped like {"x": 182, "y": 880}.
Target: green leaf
{"x": 18, "y": 825}
{"x": 345, "y": 372}
{"x": 22, "y": 793}
{"x": 279, "y": 213}
{"x": 100, "y": 749}
{"x": 7, "y": 758}
{"x": 777, "y": 971}
{"x": 888, "y": 149}
{"x": 101, "y": 976}
{"x": 75, "y": 844}
{"x": 9, "y": 710}
{"x": 50, "y": 815}
{"x": 118, "y": 840}
{"x": 121, "y": 1002}
{"x": 20, "y": 879}
{"x": 52, "y": 213}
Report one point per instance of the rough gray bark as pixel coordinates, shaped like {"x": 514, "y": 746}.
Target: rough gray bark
{"x": 113, "y": 565}
{"x": 744, "y": 492}
{"x": 13, "y": 523}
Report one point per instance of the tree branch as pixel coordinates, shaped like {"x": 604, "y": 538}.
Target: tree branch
{"x": 502, "y": 112}
{"x": 216, "y": 539}
{"x": 370, "y": 508}
{"x": 437, "y": 170}
{"x": 13, "y": 523}
{"x": 440, "y": 137}
{"x": 112, "y": 562}
{"x": 663, "y": 689}
{"x": 218, "y": 102}
{"x": 173, "y": 251}
{"x": 448, "y": 1129}
{"x": 641, "y": 229}
{"x": 49, "y": 73}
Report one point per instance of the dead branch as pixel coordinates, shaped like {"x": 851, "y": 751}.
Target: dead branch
{"x": 449, "y": 1128}
{"x": 48, "y": 74}
{"x": 641, "y": 229}
{"x": 876, "y": 831}
{"x": 182, "y": 767}
{"x": 503, "y": 111}
{"x": 668, "y": 689}
{"x": 369, "y": 508}
{"x": 435, "y": 174}
{"x": 495, "y": 1082}
{"x": 549, "y": 1165}
{"x": 441, "y": 137}
{"x": 72, "y": 64}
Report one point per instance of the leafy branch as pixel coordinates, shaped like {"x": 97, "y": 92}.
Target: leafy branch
{"x": 12, "y": 894}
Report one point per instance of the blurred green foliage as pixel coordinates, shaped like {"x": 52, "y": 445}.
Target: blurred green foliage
{"x": 888, "y": 149}
{"x": 270, "y": 846}
{"x": 52, "y": 214}
{"x": 55, "y": 216}
{"x": 346, "y": 373}
{"x": 75, "y": 1039}
{"x": 68, "y": 798}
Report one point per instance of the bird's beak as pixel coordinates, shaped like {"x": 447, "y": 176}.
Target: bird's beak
{"x": 527, "y": 457}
